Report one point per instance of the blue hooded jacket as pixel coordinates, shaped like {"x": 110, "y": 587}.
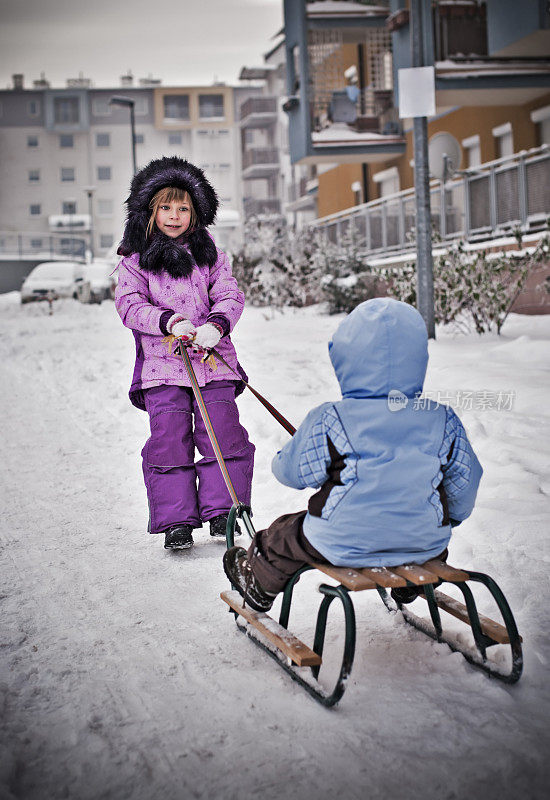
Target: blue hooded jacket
{"x": 392, "y": 468}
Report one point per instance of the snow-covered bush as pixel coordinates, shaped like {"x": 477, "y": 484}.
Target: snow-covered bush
{"x": 280, "y": 267}
{"x": 480, "y": 286}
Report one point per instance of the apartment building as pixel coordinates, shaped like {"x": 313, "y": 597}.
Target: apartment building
{"x": 66, "y": 155}
{"x": 492, "y": 90}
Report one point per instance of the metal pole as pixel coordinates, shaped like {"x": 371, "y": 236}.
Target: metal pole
{"x": 90, "y": 212}
{"x": 133, "y": 127}
{"x": 424, "y": 262}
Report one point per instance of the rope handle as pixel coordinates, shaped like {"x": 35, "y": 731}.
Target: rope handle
{"x": 210, "y": 359}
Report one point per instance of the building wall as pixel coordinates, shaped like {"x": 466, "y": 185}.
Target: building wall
{"x": 463, "y": 123}
{"x": 213, "y": 145}
{"x": 335, "y": 192}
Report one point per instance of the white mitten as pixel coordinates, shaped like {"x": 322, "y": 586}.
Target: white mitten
{"x": 207, "y": 336}
{"x": 184, "y": 330}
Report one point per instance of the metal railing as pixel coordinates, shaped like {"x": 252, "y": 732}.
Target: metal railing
{"x": 253, "y": 206}
{"x": 45, "y": 246}
{"x": 258, "y": 105}
{"x": 490, "y": 200}
{"x": 260, "y": 156}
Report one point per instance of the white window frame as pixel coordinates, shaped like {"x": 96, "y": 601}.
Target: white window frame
{"x": 504, "y": 132}
{"x": 472, "y": 143}
{"x": 34, "y": 180}
{"x": 67, "y": 180}
{"x": 38, "y": 108}
{"x": 102, "y": 133}
{"x": 104, "y": 166}
{"x": 211, "y": 118}
{"x": 384, "y": 176}
{"x": 37, "y": 213}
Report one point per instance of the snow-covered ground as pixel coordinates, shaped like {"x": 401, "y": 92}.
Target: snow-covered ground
{"x": 123, "y": 675}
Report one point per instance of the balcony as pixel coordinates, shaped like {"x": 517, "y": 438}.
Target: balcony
{"x": 260, "y": 162}
{"x": 258, "y": 112}
{"x": 486, "y": 202}
{"x": 266, "y": 207}
{"x": 302, "y": 195}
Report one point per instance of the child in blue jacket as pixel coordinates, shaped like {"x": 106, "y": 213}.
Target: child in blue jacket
{"x": 393, "y": 473}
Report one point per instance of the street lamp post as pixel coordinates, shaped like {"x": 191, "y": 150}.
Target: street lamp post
{"x": 90, "y": 193}
{"x": 118, "y": 100}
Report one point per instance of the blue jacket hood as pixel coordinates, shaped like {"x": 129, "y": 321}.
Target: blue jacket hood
{"x": 381, "y": 346}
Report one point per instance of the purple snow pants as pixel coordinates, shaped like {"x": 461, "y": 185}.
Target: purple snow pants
{"x": 178, "y": 489}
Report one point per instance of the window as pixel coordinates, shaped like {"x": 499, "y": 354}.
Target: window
{"x": 104, "y": 173}
{"x": 504, "y": 140}
{"x": 176, "y": 106}
{"x": 387, "y": 180}
{"x": 140, "y": 138}
{"x": 541, "y": 118}
{"x": 211, "y": 106}
{"x": 67, "y": 174}
{"x": 68, "y": 207}
{"x": 103, "y": 139}
{"x": 101, "y": 107}
{"x": 32, "y": 141}
{"x": 36, "y": 243}
{"x": 141, "y": 106}
{"x": 66, "y": 110}
{"x": 104, "y": 207}
{"x": 33, "y": 108}
{"x": 34, "y": 175}
{"x": 473, "y": 151}
{"x": 35, "y": 209}
{"x": 174, "y": 138}
{"x": 66, "y": 140}
{"x": 106, "y": 240}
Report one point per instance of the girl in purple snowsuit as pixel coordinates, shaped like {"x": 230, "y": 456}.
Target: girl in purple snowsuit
{"x": 174, "y": 280}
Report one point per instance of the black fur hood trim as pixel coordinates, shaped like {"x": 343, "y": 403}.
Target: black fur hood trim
{"x": 161, "y": 172}
{"x": 171, "y": 255}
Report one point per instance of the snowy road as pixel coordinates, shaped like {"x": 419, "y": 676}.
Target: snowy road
{"x": 121, "y": 673}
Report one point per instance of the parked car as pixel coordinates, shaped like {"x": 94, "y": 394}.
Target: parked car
{"x": 102, "y": 279}
{"x": 53, "y": 279}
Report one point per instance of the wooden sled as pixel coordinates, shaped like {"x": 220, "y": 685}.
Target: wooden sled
{"x": 304, "y": 663}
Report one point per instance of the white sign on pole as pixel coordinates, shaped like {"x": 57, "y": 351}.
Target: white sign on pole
{"x": 416, "y": 92}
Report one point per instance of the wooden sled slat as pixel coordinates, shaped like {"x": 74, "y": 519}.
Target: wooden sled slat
{"x": 351, "y": 578}
{"x": 457, "y": 609}
{"x": 285, "y": 641}
{"x": 445, "y": 571}
{"x": 387, "y": 578}
{"x": 415, "y": 573}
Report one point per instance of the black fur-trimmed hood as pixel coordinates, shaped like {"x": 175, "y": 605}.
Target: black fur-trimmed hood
{"x": 159, "y": 251}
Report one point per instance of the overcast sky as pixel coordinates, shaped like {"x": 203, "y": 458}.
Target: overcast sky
{"x": 179, "y": 41}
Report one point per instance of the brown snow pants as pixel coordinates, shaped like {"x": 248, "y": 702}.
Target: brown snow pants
{"x": 279, "y": 551}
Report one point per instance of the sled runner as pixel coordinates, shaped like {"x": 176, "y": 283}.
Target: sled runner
{"x": 304, "y": 663}
{"x": 297, "y": 658}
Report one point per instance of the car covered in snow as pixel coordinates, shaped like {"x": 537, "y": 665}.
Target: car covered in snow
{"x": 53, "y": 279}
{"x": 101, "y": 276}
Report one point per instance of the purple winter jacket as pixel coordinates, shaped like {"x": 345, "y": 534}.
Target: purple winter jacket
{"x": 145, "y": 302}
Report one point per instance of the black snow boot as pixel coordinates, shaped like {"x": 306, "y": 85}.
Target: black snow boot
{"x": 406, "y": 594}
{"x": 179, "y": 537}
{"x": 218, "y": 526}
{"x": 239, "y": 572}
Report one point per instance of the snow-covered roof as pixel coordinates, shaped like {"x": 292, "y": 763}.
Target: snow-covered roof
{"x": 333, "y": 8}
{"x": 340, "y": 133}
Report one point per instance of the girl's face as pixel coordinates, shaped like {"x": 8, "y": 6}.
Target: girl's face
{"x": 173, "y": 218}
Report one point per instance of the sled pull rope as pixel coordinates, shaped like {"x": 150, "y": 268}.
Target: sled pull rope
{"x": 272, "y": 410}
{"x": 207, "y": 422}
